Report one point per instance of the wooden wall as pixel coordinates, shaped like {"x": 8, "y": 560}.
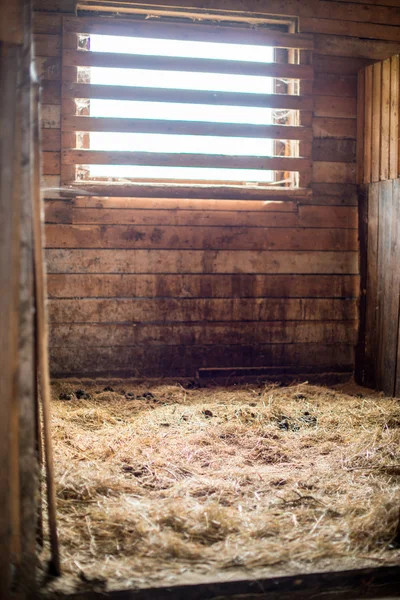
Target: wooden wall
{"x": 167, "y": 286}
{"x": 378, "y": 170}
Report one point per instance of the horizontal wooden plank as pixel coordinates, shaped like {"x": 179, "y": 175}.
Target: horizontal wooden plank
{"x": 46, "y": 23}
{"x": 203, "y": 238}
{"x": 333, "y": 194}
{"x": 331, "y": 127}
{"x": 48, "y": 68}
{"x": 61, "y": 212}
{"x": 50, "y": 116}
{"x": 99, "y": 157}
{"x": 200, "y": 261}
{"x": 359, "y": 29}
{"x": 183, "y": 361}
{"x": 46, "y": 45}
{"x": 77, "y": 58}
{"x": 328, "y": 84}
{"x": 58, "y": 6}
{"x": 196, "y": 32}
{"x": 237, "y": 285}
{"x": 154, "y": 94}
{"x": 167, "y": 310}
{"x": 335, "y": 150}
{"x": 328, "y": 216}
{"x": 334, "y": 172}
{"x": 50, "y": 163}
{"x": 51, "y": 92}
{"x": 51, "y": 140}
{"x": 176, "y": 193}
{"x": 335, "y": 106}
{"x": 277, "y": 332}
{"x": 283, "y": 132}
{"x": 361, "y": 12}
{"x": 337, "y": 45}
{"x": 157, "y": 203}
{"x": 339, "y": 65}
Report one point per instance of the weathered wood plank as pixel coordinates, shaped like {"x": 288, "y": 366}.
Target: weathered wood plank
{"x": 391, "y": 287}
{"x": 50, "y": 163}
{"x": 335, "y": 106}
{"x": 188, "y": 310}
{"x": 385, "y": 120}
{"x": 77, "y": 58}
{"x": 51, "y": 140}
{"x": 48, "y": 68}
{"x": 50, "y": 116}
{"x": 199, "y": 261}
{"x": 198, "y": 334}
{"x": 336, "y": 45}
{"x": 371, "y": 333}
{"x": 344, "y": 28}
{"x": 285, "y": 132}
{"x": 47, "y": 45}
{"x": 188, "y": 31}
{"x": 47, "y": 23}
{"x": 238, "y": 285}
{"x": 207, "y": 238}
{"x": 328, "y": 84}
{"x": 51, "y": 92}
{"x": 384, "y": 379}
{"x": 335, "y": 150}
{"x": 339, "y": 65}
{"x": 154, "y": 94}
{"x": 184, "y": 361}
{"x": 103, "y": 157}
{"x": 330, "y": 127}
{"x": 56, "y": 212}
{"x": 334, "y": 172}
{"x": 394, "y": 118}
{"x": 360, "y": 126}
{"x": 376, "y": 120}
{"x": 328, "y": 216}
{"x": 367, "y": 164}
{"x": 335, "y": 194}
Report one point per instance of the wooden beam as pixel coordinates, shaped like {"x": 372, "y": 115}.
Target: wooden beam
{"x": 78, "y": 58}
{"x": 189, "y": 31}
{"x": 147, "y": 94}
{"x": 394, "y": 118}
{"x": 100, "y": 157}
{"x": 282, "y": 132}
{"x": 376, "y": 120}
{"x": 368, "y": 125}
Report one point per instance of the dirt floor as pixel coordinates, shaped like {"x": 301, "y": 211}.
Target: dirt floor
{"x": 162, "y": 483}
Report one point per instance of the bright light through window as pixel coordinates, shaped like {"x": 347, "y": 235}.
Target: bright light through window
{"x": 178, "y": 111}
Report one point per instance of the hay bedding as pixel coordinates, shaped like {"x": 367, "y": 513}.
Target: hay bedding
{"x": 159, "y": 484}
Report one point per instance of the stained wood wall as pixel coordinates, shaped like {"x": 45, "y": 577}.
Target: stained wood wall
{"x": 378, "y": 171}
{"x": 166, "y": 286}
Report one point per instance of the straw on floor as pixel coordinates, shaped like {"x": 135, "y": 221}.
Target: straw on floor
{"x": 155, "y": 480}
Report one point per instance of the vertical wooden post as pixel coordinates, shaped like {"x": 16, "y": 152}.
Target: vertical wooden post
{"x": 9, "y": 261}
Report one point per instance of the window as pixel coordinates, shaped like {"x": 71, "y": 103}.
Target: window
{"x": 178, "y": 102}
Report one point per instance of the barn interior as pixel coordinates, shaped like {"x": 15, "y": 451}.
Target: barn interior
{"x": 200, "y": 299}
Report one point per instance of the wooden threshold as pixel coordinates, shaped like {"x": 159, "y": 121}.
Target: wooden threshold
{"x": 377, "y": 582}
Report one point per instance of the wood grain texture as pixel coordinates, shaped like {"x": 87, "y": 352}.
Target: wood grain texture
{"x": 236, "y": 285}
{"x": 394, "y": 118}
{"x": 182, "y": 361}
{"x": 188, "y": 31}
{"x": 200, "y": 261}
{"x": 76, "y": 58}
{"x": 376, "y": 121}
{"x": 207, "y": 238}
{"x": 200, "y": 334}
{"x": 188, "y": 310}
